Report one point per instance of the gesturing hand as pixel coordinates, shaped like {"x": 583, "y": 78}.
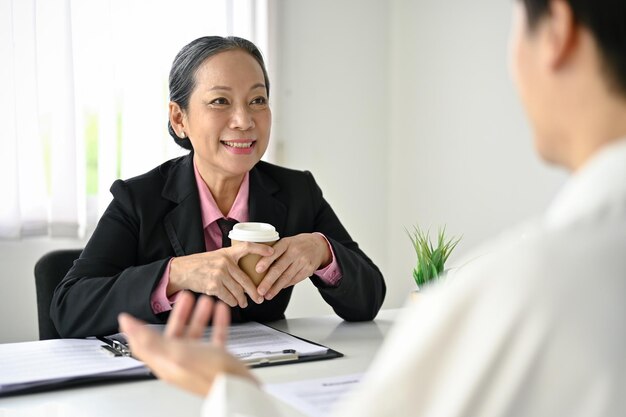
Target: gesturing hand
{"x": 294, "y": 259}
{"x": 177, "y": 356}
{"x": 217, "y": 273}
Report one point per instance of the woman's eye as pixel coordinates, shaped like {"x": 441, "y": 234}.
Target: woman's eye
{"x": 219, "y": 101}
{"x": 259, "y": 101}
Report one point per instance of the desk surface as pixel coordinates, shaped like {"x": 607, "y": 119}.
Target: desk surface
{"x": 357, "y": 341}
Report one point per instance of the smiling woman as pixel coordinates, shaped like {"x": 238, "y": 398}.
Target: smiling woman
{"x": 166, "y": 230}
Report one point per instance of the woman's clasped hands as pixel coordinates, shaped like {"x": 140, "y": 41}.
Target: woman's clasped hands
{"x": 294, "y": 259}
{"x": 217, "y": 273}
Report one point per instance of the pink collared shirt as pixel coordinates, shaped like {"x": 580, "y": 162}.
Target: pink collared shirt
{"x": 160, "y": 302}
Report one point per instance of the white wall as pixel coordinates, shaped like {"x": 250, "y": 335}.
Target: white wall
{"x": 331, "y": 115}
{"x": 18, "y": 303}
{"x": 404, "y": 112}
{"x": 461, "y": 153}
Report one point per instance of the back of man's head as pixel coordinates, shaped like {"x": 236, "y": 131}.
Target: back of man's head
{"x": 606, "y": 20}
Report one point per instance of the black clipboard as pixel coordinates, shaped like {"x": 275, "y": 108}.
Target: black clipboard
{"x": 72, "y": 379}
{"x": 329, "y": 354}
{"x": 117, "y": 348}
{"x": 83, "y": 381}
{"x": 116, "y": 345}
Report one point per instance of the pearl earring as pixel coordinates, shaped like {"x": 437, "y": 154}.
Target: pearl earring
{"x": 181, "y": 135}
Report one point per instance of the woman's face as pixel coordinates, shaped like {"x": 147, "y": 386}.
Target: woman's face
{"x": 228, "y": 118}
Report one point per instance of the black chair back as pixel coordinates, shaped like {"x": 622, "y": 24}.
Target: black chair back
{"x": 49, "y": 271}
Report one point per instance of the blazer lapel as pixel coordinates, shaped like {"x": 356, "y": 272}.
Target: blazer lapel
{"x": 183, "y": 224}
{"x": 263, "y": 206}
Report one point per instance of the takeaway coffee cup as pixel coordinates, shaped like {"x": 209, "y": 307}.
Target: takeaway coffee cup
{"x": 257, "y": 233}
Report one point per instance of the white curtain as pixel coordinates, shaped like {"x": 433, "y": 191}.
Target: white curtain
{"x": 84, "y": 98}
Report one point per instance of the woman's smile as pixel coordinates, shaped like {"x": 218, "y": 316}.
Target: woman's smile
{"x": 239, "y": 146}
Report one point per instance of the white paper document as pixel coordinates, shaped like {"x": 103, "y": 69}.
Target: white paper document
{"x": 255, "y": 339}
{"x": 250, "y": 340}
{"x": 57, "y": 362}
{"x": 29, "y": 364}
{"x": 315, "y": 397}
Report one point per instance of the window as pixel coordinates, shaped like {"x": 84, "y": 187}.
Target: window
{"x": 86, "y": 98}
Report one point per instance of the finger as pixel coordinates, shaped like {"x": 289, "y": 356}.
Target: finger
{"x": 200, "y": 317}
{"x": 279, "y": 248}
{"x": 221, "y": 321}
{"x": 239, "y": 251}
{"x": 235, "y": 289}
{"x": 144, "y": 342}
{"x": 278, "y": 268}
{"x": 180, "y": 314}
{"x": 128, "y": 324}
{"x": 224, "y": 294}
{"x": 161, "y": 356}
{"x": 283, "y": 281}
{"x": 244, "y": 280}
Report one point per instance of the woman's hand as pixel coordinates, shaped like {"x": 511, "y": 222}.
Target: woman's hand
{"x": 217, "y": 273}
{"x": 177, "y": 356}
{"x": 294, "y": 259}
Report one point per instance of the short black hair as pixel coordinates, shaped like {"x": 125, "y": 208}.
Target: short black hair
{"x": 188, "y": 60}
{"x": 606, "y": 20}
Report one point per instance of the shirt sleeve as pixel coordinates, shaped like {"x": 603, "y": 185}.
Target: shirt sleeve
{"x": 224, "y": 400}
{"x": 331, "y": 273}
{"x": 159, "y": 300}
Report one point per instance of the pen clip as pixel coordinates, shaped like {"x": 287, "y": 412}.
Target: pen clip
{"x": 270, "y": 357}
{"x": 243, "y": 355}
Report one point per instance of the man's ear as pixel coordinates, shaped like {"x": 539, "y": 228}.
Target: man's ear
{"x": 561, "y": 33}
{"x": 177, "y": 119}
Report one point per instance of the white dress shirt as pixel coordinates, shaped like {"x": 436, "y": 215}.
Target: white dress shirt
{"x": 537, "y": 327}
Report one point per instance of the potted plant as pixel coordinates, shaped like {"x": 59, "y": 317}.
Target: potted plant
{"x": 431, "y": 259}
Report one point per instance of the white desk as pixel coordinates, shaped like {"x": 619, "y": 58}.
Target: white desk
{"x": 357, "y": 341}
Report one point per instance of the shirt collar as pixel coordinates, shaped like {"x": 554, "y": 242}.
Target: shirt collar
{"x": 208, "y": 207}
{"x": 598, "y": 186}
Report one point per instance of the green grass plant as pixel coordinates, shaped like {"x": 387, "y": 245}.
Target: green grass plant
{"x": 431, "y": 259}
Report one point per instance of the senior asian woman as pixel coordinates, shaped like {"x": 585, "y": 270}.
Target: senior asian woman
{"x": 165, "y": 230}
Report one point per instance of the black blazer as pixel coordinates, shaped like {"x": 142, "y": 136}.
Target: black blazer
{"x": 156, "y": 216}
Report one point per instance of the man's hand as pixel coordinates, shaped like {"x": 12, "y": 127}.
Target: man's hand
{"x": 178, "y": 356}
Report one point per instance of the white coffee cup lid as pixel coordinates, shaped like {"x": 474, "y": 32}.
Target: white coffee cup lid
{"x": 253, "y": 232}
